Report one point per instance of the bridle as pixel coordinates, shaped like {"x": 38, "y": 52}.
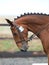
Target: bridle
{"x": 22, "y": 40}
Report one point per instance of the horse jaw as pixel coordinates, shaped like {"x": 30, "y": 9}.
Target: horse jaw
{"x": 10, "y": 22}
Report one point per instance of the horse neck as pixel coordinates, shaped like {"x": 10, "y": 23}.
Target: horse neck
{"x": 32, "y": 25}
{"x": 34, "y": 22}
{"x": 34, "y": 28}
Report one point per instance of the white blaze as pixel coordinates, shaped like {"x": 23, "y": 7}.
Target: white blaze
{"x": 21, "y": 29}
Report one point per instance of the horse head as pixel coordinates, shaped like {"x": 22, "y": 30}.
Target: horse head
{"x": 19, "y": 35}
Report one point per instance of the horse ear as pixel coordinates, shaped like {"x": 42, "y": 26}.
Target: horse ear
{"x": 10, "y": 22}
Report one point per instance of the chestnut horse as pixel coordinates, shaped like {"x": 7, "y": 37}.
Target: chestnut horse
{"x": 36, "y": 23}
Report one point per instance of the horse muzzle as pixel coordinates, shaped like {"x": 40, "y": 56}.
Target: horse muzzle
{"x": 24, "y": 48}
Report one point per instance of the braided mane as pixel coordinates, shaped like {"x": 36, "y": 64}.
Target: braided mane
{"x": 30, "y": 14}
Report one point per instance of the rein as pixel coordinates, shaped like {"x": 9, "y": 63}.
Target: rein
{"x": 32, "y": 36}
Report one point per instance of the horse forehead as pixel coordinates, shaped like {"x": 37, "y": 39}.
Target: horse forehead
{"x": 21, "y": 27}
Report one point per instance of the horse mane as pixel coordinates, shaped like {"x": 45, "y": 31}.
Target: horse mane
{"x": 31, "y": 14}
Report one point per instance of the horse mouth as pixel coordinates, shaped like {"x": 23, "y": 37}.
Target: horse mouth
{"x": 23, "y": 50}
